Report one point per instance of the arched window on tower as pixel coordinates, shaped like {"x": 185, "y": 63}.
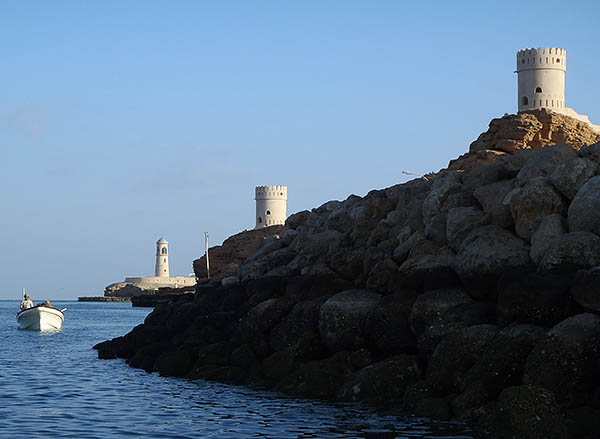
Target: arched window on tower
{"x": 524, "y": 101}
{"x": 259, "y": 220}
{"x": 268, "y": 212}
{"x": 538, "y": 89}
{"x": 164, "y": 250}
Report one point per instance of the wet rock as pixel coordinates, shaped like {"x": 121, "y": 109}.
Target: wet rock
{"x": 387, "y": 324}
{"x": 524, "y": 412}
{"x": 566, "y": 360}
{"x": 536, "y": 298}
{"x": 458, "y": 317}
{"x": 303, "y": 316}
{"x": 583, "y": 210}
{"x": 474, "y": 396}
{"x": 435, "y": 408}
{"x": 175, "y": 363}
{"x": 503, "y": 360}
{"x": 343, "y": 318}
{"x": 318, "y": 379}
{"x": 383, "y": 381}
{"x": 455, "y": 355}
{"x": 585, "y": 289}
{"x": 572, "y": 251}
{"x": 431, "y": 305}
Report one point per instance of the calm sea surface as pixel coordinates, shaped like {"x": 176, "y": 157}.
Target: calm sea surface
{"x": 53, "y": 386}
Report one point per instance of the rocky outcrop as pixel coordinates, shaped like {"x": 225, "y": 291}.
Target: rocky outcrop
{"x": 227, "y": 257}
{"x": 470, "y": 294}
{"x": 534, "y": 129}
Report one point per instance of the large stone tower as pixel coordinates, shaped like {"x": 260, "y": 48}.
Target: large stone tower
{"x": 162, "y": 258}
{"x": 271, "y": 205}
{"x": 541, "y": 77}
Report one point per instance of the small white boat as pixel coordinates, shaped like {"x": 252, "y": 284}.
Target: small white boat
{"x": 41, "y": 318}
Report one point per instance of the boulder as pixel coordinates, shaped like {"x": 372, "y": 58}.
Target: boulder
{"x": 585, "y": 289}
{"x": 318, "y": 379}
{"x": 458, "y": 317}
{"x": 583, "y": 211}
{"x": 442, "y": 187}
{"x": 175, "y": 363}
{"x": 536, "y": 298}
{"x": 455, "y": 355}
{"x": 387, "y": 324}
{"x": 343, "y": 317}
{"x": 502, "y": 361}
{"x": 385, "y": 381}
{"x": 491, "y": 197}
{"x": 548, "y": 233}
{"x": 531, "y": 203}
{"x": 524, "y": 412}
{"x": 570, "y": 176}
{"x": 460, "y": 222}
{"x": 431, "y": 305}
{"x": 486, "y": 253}
{"x": 572, "y": 251}
{"x": 428, "y": 272}
{"x": 541, "y": 162}
{"x": 566, "y": 360}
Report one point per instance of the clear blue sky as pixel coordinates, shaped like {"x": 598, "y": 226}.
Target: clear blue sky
{"x": 125, "y": 121}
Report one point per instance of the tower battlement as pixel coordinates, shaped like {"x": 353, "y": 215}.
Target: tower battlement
{"x": 542, "y": 58}
{"x": 270, "y": 193}
{"x": 271, "y": 205}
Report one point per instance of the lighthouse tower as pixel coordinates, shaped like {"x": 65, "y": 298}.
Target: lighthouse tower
{"x": 271, "y": 205}
{"x": 162, "y": 258}
{"x": 541, "y": 77}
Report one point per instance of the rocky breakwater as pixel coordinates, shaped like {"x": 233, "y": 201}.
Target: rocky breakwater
{"x": 472, "y": 295}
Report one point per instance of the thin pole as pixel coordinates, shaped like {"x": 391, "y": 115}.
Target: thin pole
{"x": 207, "y": 262}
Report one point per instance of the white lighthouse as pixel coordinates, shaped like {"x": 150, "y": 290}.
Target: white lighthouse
{"x": 271, "y": 205}
{"x": 162, "y": 258}
{"x": 541, "y": 77}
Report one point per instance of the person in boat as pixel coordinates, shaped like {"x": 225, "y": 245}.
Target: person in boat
{"x": 47, "y": 303}
{"x": 26, "y": 303}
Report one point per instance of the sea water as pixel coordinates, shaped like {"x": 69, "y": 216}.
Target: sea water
{"x": 52, "y": 385}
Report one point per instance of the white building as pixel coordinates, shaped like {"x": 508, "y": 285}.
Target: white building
{"x": 161, "y": 268}
{"x": 161, "y": 272}
{"x": 541, "y": 82}
{"x": 271, "y": 205}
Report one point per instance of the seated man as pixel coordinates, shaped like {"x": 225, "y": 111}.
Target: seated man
{"x": 26, "y": 303}
{"x": 47, "y": 303}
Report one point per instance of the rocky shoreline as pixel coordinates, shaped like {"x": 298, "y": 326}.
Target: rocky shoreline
{"x": 473, "y": 294}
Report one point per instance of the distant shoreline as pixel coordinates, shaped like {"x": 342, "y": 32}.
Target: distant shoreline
{"x": 103, "y": 299}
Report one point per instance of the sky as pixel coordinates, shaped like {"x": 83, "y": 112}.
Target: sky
{"x": 125, "y": 121}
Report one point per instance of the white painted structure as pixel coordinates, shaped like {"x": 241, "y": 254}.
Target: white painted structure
{"x": 541, "y": 82}
{"x": 161, "y": 276}
{"x": 161, "y": 269}
{"x": 271, "y": 205}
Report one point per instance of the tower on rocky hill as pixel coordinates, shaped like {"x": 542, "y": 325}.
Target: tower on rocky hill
{"x": 162, "y": 258}
{"x": 271, "y": 205}
{"x": 541, "y": 78}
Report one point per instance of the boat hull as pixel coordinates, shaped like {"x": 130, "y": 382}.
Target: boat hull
{"x": 40, "y": 318}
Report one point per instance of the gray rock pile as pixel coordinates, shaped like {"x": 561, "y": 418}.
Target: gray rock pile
{"x": 474, "y": 295}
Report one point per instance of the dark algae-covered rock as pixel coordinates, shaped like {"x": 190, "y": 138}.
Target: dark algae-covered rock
{"x": 472, "y": 293}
